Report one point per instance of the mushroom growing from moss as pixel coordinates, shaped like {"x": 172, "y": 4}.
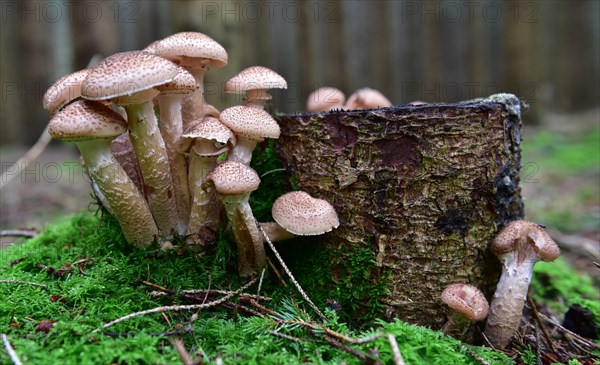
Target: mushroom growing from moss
{"x": 91, "y": 126}
{"x": 128, "y": 79}
{"x": 324, "y": 99}
{"x": 234, "y": 182}
{"x": 518, "y": 246}
{"x": 255, "y": 81}
{"x": 250, "y": 125}
{"x": 468, "y": 305}
{"x": 204, "y": 140}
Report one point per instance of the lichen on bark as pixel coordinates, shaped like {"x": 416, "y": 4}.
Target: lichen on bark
{"x": 424, "y": 188}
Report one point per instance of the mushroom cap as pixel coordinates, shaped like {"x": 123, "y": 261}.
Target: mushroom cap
{"x": 467, "y": 300}
{"x": 183, "y": 83}
{"x": 86, "y": 120}
{"x": 301, "y": 214}
{"x": 127, "y": 73}
{"x": 233, "y": 178}
{"x": 64, "y": 90}
{"x": 255, "y": 78}
{"x": 151, "y": 48}
{"x": 210, "y": 110}
{"x": 211, "y": 130}
{"x": 367, "y": 98}
{"x": 521, "y": 232}
{"x": 178, "y": 46}
{"x": 252, "y": 123}
{"x": 324, "y": 98}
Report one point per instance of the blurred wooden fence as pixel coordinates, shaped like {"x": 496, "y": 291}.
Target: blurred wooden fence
{"x": 545, "y": 51}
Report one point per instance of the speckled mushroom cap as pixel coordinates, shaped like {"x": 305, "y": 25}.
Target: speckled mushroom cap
{"x": 210, "y": 110}
{"x": 208, "y": 129}
{"x": 192, "y": 45}
{"x": 467, "y": 300}
{"x": 324, "y": 98}
{"x": 367, "y": 98}
{"x": 301, "y": 214}
{"x": 233, "y": 178}
{"x": 254, "y": 78}
{"x": 151, "y": 48}
{"x": 183, "y": 83}
{"x": 64, "y": 90}
{"x": 86, "y": 120}
{"x": 252, "y": 123}
{"x": 127, "y": 73}
{"x": 521, "y": 232}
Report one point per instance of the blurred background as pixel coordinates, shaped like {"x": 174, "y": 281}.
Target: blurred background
{"x": 547, "y": 52}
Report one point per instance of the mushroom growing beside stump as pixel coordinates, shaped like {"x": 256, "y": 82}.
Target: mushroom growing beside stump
{"x": 468, "y": 305}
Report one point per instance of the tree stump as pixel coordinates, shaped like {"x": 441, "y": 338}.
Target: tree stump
{"x": 424, "y": 188}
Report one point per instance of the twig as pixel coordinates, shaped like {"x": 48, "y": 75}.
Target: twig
{"x": 184, "y": 356}
{"x": 474, "y": 355}
{"x": 364, "y": 358}
{"x": 538, "y": 320}
{"x": 24, "y": 282}
{"x": 276, "y": 272}
{"x": 157, "y": 334}
{"x": 177, "y": 307}
{"x": 398, "y": 360}
{"x": 538, "y": 345}
{"x": 285, "y": 268}
{"x": 260, "y": 282}
{"x": 271, "y": 171}
{"x": 289, "y": 337}
{"x": 18, "y": 233}
{"x": 571, "y": 333}
{"x": 199, "y": 292}
{"x": 29, "y": 156}
{"x": 11, "y": 351}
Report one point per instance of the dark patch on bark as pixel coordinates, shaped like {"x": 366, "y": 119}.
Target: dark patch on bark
{"x": 398, "y": 152}
{"x": 342, "y": 135}
{"x": 452, "y": 221}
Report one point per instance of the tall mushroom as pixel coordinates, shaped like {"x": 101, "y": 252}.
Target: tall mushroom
{"x": 196, "y": 52}
{"x": 518, "y": 246}
{"x": 128, "y": 79}
{"x": 324, "y": 99}
{"x": 255, "y": 81}
{"x": 299, "y": 214}
{"x": 468, "y": 305}
{"x": 234, "y": 182}
{"x": 367, "y": 98}
{"x": 205, "y": 140}
{"x": 171, "y": 128}
{"x": 250, "y": 125}
{"x": 91, "y": 126}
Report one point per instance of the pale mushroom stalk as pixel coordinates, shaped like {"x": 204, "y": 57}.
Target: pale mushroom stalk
{"x": 125, "y": 202}
{"x": 171, "y": 127}
{"x": 251, "y": 250}
{"x": 518, "y": 246}
{"x": 193, "y": 103}
{"x": 151, "y": 152}
{"x": 467, "y": 304}
{"x": 275, "y": 232}
{"x": 242, "y": 151}
{"x": 204, "y": 211}
{"x": 257, "y": 98}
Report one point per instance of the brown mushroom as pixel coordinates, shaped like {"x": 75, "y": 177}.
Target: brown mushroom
{"x": 468, "y": 305}
{"x": 255, "y": 81}
{"x": 324, "y": 99}
{"x": 367, "y": 98}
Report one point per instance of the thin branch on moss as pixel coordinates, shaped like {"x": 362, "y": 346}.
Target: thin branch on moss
{"x": 19, "y": 233}
{"x": 276, "y": 272}
{"x": 259, "y": 306}
{"x": 581, "y": 340}
{"x": 292, "y": 278}
{"x": 271, "y": 171}
{"x": 364, "y": 358}
{"x": 200, "y": 292}
{"x": 473, "y": 354}
{"x": 178, "y": 307}
{"x": 538, "y": 320}
{"x": 289, "y": 337}
{"x": 24, "y": 282}
{"x": 11, "y": 351}
{"x": 260, "y": 282}
{"x": 398, "y": 360}
{"x": 184, "y": 356}
{"x": 180, "y": 332}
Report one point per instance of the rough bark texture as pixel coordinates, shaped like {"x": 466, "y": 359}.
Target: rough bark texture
{"x": 425, "y": 188}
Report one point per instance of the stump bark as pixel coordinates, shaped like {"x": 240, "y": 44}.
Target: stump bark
{"x": 423, "y": 188}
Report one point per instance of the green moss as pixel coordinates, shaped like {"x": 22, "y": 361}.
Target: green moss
{"x": 107, "y": 287}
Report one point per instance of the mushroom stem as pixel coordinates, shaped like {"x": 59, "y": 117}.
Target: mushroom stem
{"x": 242, "y": 151}
{"x": 456, "y": 326}
{"x": 193, "y": 103}
{"x": 151, "y": 152}
{"x": 507, "y": 304}
{"x": 257, "y": 98}
{"x": 171, "y": 128}
{"x": 275, "y": 232}
{"x": 204, "y": 211}
{"x": 250, "y": 248}
{"x": 127, "y": 204}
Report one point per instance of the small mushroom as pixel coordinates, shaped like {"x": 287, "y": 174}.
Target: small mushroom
{"x": 468, "y": 305}
{"x": 91, "y": 126}
{"x": 234, "y": 182}
{"x": 205, "y": 140}
{"x": 196, "y": 52}
{"x": 299, "y": 214}
{"x": 64, "y": 90}
{"x": 367, "y": 98}
{"x": 255, "y": 81}
{"x": 128, "y": 79}
{"x": 250, "y": 125}
{"x": 324, "y": 99}
{"x": 518, "y": 247}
